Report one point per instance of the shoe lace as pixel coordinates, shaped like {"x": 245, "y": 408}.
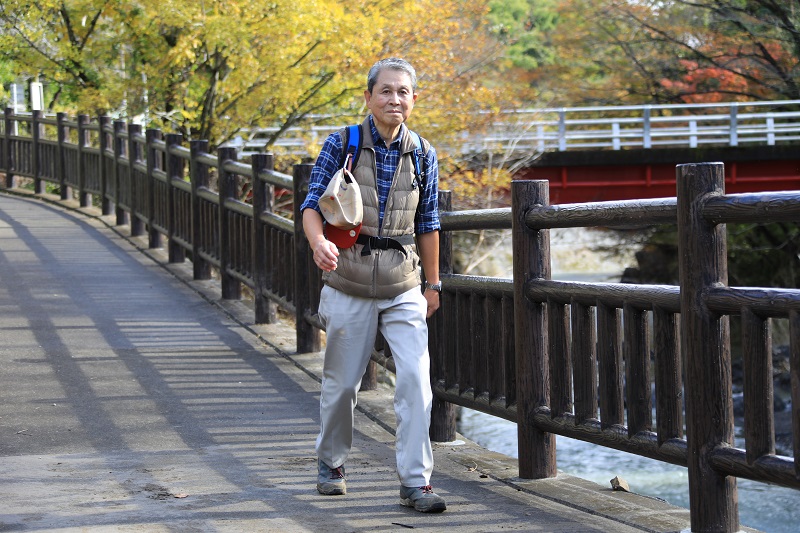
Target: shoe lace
{"x": 336, "y": 473}
{"x": 427, "y": 489}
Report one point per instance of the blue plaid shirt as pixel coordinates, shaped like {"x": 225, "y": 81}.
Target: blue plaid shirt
{"x": 386, "y": 161}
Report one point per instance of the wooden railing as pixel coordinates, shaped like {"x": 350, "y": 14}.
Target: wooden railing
{"x": 558, "y": 358}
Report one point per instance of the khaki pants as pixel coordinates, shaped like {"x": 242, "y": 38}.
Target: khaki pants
{"x": 351, "y": 325}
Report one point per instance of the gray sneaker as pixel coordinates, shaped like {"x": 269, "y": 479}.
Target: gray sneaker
{"x": 423, "y": 499}
{"x": 330, "y": 481}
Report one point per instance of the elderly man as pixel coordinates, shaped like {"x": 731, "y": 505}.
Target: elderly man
{"x": 372, "y": 281}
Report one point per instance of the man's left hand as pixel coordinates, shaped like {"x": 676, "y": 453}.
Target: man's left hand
{"x": 432, "y": 297}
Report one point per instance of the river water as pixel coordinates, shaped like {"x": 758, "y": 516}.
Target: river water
{"x": 765, "y": 507}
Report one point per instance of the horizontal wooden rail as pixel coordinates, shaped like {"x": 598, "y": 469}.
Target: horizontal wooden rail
{"x": 768, "y": 468}
{"x": 616, "y": 437}
{"x": 476, "y": 219}
{"x": 603, "y": 214}
{"x": 753, "y": 208}
{"x": 617, "y": 295}
{"x": 766, "y": 302}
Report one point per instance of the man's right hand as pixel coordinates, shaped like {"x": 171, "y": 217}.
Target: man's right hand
{"x": 326, "y": 254}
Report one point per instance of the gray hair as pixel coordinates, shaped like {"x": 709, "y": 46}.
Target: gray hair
{"x": 394, "y": 63}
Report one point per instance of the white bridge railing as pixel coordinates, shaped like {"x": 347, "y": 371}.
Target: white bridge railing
{"x": 596, "y": 128}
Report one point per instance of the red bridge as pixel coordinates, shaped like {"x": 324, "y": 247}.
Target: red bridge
{"x": 585, "y": 176}
{"x": 630, "y": 152}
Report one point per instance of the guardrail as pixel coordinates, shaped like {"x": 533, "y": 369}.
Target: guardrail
{"x": 558, "y": 358}
{"x": 593, "y": 128}
{"x": 651, "y": 126}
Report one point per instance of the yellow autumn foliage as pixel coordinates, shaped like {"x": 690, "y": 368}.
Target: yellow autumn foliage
{"x": 210, "y": 68}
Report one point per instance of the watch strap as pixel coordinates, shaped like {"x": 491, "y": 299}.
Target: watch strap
{"x": 435, "y": 286}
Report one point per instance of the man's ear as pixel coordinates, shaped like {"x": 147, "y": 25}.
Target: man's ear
{"x": 367, "y": 96}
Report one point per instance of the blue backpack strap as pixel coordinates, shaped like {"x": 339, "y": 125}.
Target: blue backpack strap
{"x": 353, "y": 134}
{"x": 353, "y": 141}
{"x": 419, "y": 163}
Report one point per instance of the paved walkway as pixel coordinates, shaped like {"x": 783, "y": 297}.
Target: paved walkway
{"x": 131, "y": 399}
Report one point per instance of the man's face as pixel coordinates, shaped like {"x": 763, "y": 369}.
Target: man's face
{"x": 391, "y": 100}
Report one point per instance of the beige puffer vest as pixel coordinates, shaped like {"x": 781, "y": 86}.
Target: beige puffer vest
{"x": 383, "y": 273}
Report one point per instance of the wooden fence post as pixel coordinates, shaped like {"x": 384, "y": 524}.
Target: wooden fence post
{"x": 610, "y": 367}
{"x": 136, "y": 201}
{"x": 443, "y": 414}
{"x": 119, "y": 152}
{"x": 369, "y": 381}
{"x": 705, "y": 338}
{"x": 175, "y": 170}
{"x": 560, "y": 359}
{"x": 669, "y": 376}
{"x": 153, "y": 163}
{"x": 308, "y": 337}
{"x": 759, "y": 417}
{"x": 84, "y": 197}
{"x": 61, "y": 156}
{"x": 638, "y": 376}
{"x": 537, "y": 449}
{"x": 199, "y": 176}
{"x": 8, "y": 150}
{"x": 36, "y": 134}
{"x": 231, "y": 287}
{"x": 105, "y": 203}
{"x": 263, "y": 202}
{"x": 794, "y": 340}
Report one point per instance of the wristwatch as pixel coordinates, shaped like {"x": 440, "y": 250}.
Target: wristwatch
{"x": 435, "y": 286}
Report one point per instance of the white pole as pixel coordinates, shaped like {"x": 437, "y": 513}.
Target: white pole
{"x": 37, "y": 96}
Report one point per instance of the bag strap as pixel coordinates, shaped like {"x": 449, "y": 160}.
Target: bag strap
{"x": 384, "y": 243}
{"x": 353, "y": 141}
{"x": 417, "y": 155}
